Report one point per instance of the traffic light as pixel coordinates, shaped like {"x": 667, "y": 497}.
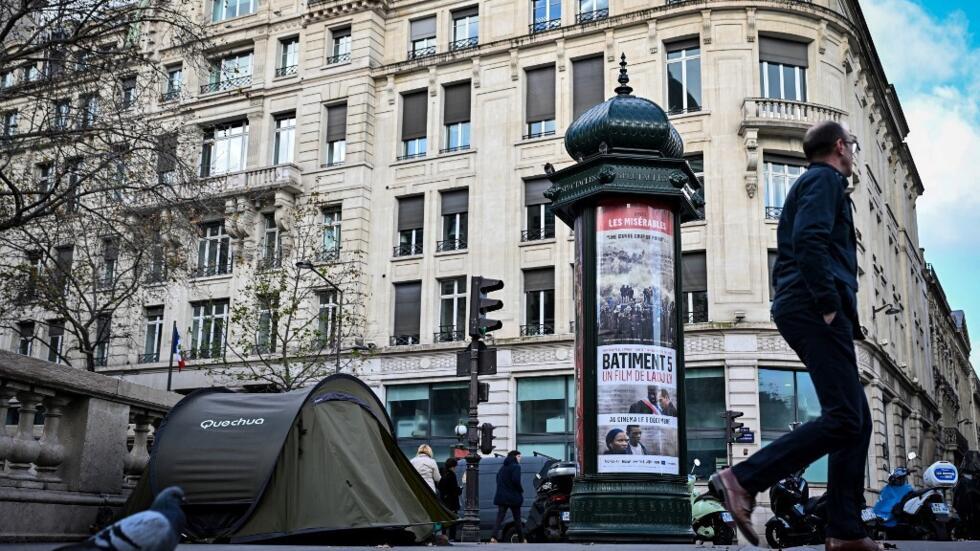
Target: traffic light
{"x": 732, "y": 428}
{"x": 486, "y": 438}
{"x": 480, "y": 286}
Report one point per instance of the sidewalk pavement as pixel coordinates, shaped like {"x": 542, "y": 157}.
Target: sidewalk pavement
{"x": 900, "y": 546}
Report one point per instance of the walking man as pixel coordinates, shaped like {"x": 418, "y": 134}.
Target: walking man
{"x": 815, "y": 310}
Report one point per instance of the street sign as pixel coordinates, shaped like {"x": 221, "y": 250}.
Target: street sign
{"x": 487, "y": 361}
{"x": 746, "y": 436}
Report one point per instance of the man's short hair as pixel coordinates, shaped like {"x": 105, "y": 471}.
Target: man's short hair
{"x": 664, "y": 394}
{"x": 629, "y": 428}
{"x": 821, "y": 139}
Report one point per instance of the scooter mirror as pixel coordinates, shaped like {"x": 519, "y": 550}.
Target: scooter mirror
{"x": 697, "y": 462}
{"x": 912, "y": 456}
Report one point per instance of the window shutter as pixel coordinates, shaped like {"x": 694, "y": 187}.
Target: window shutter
{"x": 776, "y": 50}
{"x": 539, "y": 280}
{"x": 540, "y": 94}
{"x": 167, "y": 153}
{"x": 336, "y": 122}
{"x": 587, "y": 84}
{"x": 534, "y": 191}
{"x": 423, "y": 28}
{"x": 783, "y": 159}
{"x": 457, "y": 106}
{"x": 686, "y": 44}
{"x": 466, "y": 12}
{"x": 455, "y": 202}
{"x": 408, "y": 308}
{"x": 410, "y": 213}
{"x": 414, "y": 115}
{"x": 694, "y": 272}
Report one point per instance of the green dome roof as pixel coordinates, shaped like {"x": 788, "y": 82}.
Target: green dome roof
{"x": 623, "y": 123}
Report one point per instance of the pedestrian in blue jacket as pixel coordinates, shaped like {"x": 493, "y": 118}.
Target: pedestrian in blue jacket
{"x": 815, "y": 310}
{"x": 509, "y": 494}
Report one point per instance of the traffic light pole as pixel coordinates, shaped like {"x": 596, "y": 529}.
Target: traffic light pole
{"x": 471, "y": 515}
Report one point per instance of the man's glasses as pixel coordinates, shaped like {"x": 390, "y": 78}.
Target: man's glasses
{"x": 852, "y": 142}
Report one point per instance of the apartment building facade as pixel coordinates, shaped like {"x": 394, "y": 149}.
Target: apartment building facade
{"x": 424, "y": 127}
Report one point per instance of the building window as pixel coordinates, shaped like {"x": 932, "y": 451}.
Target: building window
{"x": 285, "y": 137}
{"x": 455, "y": 205}
{"x": 62, "y": 114}
{"x": 588, "y": 88}
{"x": 456, "y": 117}
{"x": 336, "y": 134}
{"x": 540, "y": 218}
{"x": 423, "y": 38}
{"x": 696, "y": 161}
{"x": 9, "y": 124}
{"x": 62, "y": 270}
{"x": 271, "y": 243}
{"x": 466, "y": 28}
{"x": 782, "y": 68}
{"x": 288, "y": 56}
{"x": 89, "y": 110}
{"x": 452, "y": 310}
{"x": 225, "y": 148}
{"x": 127, "y": 92}
{"x": 427, "y": 414}
{"x": 540, "y": 102}
{"x": 539, "y": 302}
{"x": 56, "y": 341}
{"x": 227, "y": 9}
{"x": 787, "y": 397}
{"x": 153, "y": 335}
{"x": 25, "y": 337}
{"x": 414, "y": 123}
{"x": 7, "y": 79}
{"x": 408, "y": 310}
{"x": 779, "y": 173}
{"x": 233, "y": 71}
{"x": 592, "y": 10}
{"x": 167, "y": 159}
{"x": 74, "y": 171}
{"x": 213, "y": 250}
{"x": 771, "y": 257}
{"x": 103, "y": 324}
{"x": 331, "y": 233}
{"x": 210, "y": 320}
{"x": 545, "y": 15}
{"x": 546, "y": 416}
{"x": 683, "y": 76}
{"x": 110, "y": 254}
{"x": 327, "y": 317}
{"x": 268, "y": 327}
{"x": 706, "y": 439}
{"x": 340, "y": 52}
{"x": 694, "y": 286}
{"x": 175, "y": 81}
{"x": 410, "y": 224}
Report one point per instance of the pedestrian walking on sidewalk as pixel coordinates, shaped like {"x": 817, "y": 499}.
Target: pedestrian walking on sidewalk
{"x": 815, "y": 310}
{"x": 449, "y": 492}
{"x": 427, "y": 467}
{"x": 509, "y": 495}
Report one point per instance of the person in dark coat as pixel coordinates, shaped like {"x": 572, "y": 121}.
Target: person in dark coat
{"x": 449, "y": 491}
{"x": 509, "y": 494}
{"x": 815, "y": 310}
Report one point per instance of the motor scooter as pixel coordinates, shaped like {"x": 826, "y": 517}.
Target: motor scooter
{"x": 549, "y": 516}
{"x": 709, "y": 518}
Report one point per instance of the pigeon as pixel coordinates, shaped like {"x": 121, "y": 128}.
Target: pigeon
{"x": 156, "y": 529}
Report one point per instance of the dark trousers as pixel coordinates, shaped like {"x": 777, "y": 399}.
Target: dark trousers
{"x": 515, "y": 510}
{"x": 843, "y": 429}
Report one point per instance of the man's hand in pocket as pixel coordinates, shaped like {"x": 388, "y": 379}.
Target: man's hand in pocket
{"x": 829, "y": 318}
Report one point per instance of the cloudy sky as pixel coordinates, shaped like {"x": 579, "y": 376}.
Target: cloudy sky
{"x": 931, "y": 53}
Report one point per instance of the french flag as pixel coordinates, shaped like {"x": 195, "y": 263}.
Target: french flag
{"x": 175, "y": 350}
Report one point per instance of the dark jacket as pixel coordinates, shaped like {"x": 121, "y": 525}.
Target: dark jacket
{"x": 509, "y": 492}
{"x": 449, "y": 490}
{"x": 816, "y": 264}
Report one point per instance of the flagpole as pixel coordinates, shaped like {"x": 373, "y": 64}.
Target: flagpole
{"x": 170, "y": 365}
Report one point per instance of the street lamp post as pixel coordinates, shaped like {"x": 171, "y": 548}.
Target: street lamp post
{"x": 306, "y": 264}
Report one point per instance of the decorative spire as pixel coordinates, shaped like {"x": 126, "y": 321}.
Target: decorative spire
{"x": 624, "y": 88}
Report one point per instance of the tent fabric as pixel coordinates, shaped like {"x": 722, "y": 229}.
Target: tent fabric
{"x": 322, "y": 460}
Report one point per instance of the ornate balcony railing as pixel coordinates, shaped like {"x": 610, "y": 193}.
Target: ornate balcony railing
{"x": 596, "y": 15}
{"x": 539, "y": 134}
{"x": 419, "y": 53}
{"x": 410, "y": 156}
{"x": 287, "y": 70}
{"x": 464, "y": 44}
{"x": 285, "y": 175}
{"x": 66, "y": 418}
{"x": 537, "y": 234}
{"x": 698, "y": 313}
{"x": 148, "y": 358}
{"x": 339, "y": 58}
{"x": 210, "y": 269}
{"x": 328, "y": 254}
{"x": 204, "y": 353}
{"x": 542, "y": 26}
{"x": 786, "y": 117}
{"x": 403, "y": 340}
{"x": 537, "y": 329}
{"x": 407, "y": 249}
{"x": 271, "y": 262}
{"x": 448, "y": 333}
{"x": 773, "y": 213}
{"x": 170, "y": 95}
{"x": 455, "y": 149}
{"x": 227, "y": 84}
{"x": 450, "y": 245}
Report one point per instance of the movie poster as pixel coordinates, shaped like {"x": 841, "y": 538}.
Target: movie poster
{"x": 636, "y": 363}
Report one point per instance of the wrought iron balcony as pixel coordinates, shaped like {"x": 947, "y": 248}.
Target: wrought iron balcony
{"x": 213, "y": 269}
{"x": 542, "y": 26}
{"x": 339, "y": 58}
{"x": 286, "y": 71}
{"x": 328, "y": 254}
{"x": 271, "y": 261}
{"x": 465, "y": 147}
{"x": 450, "y": 245}
{"x": 404, "y": 340}
{"x": 105, "y": 282}
{"x": 681, "y": 110}
{"x": 699, "y": 312}
{"x": 596, "y": 15}
{"x": 170, "y": 95}
{"x": 204, "y": 353}
{"x": 537, "y": 234}
{"x": 411, "y": 156}
{"x": 537, "y": 329}
{"x": 773, "y": 213}
{"x": 227, "y": 84}
{"x": 785, "y": 117}
{"x": 148, "y": 358}
{"x": 448, "y": 333}
{"x": 464, "y": 44}
{"x": 422, "y": 52}
{"x": 102, "y": 360}
{"x": 407, "y": 249}
{"x": 539, "y": 134}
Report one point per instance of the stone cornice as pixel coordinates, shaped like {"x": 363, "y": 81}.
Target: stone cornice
{"x": 328, "y": 9}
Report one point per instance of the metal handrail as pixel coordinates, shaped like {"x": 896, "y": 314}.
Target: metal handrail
{"x": 287, "y": 70}
{"x": 407, "y": 249}
{"x": 227, "y": 84}
{"x": 403, "y": 340}
{"x": 339, "y": 58}
{"x": 587, "y": 16}
{"x": 536, "y": 329}
{"x": 422, "y": 52}
{"x": 450, "y": 245}
{"x": 464, "y": 44}
{"x": 542, "y": 26}
{"x": 773, "y": 213}
{"x": 536, "y": 234}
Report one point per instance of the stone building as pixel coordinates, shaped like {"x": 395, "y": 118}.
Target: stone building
{"x": 430, "y": 122}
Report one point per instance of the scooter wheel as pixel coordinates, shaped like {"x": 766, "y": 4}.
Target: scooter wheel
{"x": 775, "y": 536}
{"x": 724, "y": 534}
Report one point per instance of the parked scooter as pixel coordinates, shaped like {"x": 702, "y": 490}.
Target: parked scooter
{"x": 549, "y": 516}
{"x": 798, "y": 519}
{"x": 710, "y": 521}
{"x": 966, "y": 497}
{"x": 882, "y": 518}
{"x": 924, "y": 514}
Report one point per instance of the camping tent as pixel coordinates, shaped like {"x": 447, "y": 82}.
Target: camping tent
{"x": 301, "y": 464}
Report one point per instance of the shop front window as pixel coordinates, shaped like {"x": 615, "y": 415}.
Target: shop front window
{"x": 546, "y": 416}
{"x": 787, "y": 397}
{"x": 427, "y": 414}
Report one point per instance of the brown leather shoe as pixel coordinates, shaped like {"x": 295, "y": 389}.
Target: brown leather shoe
{"x": 864, "y": 544}
{"x": 737, "y": 500}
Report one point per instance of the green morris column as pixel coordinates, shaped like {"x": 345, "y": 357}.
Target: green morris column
{"x": 626, "y": 197}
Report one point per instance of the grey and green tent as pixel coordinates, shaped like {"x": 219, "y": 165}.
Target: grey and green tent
{"x": 317, "y": 464}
